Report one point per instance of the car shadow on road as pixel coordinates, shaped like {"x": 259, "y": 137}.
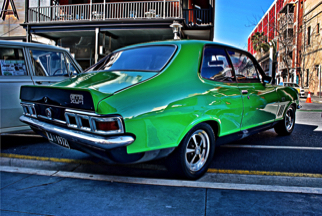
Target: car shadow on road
{"x": 266, "y": 151}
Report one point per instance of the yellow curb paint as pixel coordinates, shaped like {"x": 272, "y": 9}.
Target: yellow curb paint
{"x": 61, "y": 160}
{"x": 221, "y": 171}
{"x": 250, "y": 172}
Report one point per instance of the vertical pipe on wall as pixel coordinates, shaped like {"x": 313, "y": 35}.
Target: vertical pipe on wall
{"x": 26, "y": 10}
{"x": 38, "y": 10}
{"x": 96, "y": 44}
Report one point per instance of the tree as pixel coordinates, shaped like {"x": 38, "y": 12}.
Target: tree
{"x": 259, "y": 41}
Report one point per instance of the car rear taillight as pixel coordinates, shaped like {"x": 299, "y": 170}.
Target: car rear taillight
{"x": 107, "y": 126}
{"x": 94, "y": 123}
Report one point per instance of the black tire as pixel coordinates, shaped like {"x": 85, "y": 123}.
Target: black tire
{"x": 190, "y": 160}
{"x": 286, "y": 126}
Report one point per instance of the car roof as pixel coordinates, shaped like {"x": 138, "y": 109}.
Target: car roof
{"x": 29, "y": 44}
{"x": 181, "y": 42}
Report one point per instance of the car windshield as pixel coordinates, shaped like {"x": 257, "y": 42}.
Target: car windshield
{"x": 149, "y": 58}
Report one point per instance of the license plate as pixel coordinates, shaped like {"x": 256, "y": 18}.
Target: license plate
{"x": 53, "y": 138}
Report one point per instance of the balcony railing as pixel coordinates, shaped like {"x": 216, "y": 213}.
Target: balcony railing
{"x": 107, "y": 11}
{"x": 287, "y": 19}
{"x": 282, "y": 65}
{"x": 197, "y": 16}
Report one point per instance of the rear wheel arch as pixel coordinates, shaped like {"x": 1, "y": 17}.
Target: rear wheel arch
{"x": 213, "y": 123}
{"x": 215, "y": 127}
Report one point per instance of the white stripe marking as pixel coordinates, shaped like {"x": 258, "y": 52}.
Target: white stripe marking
{"x": 165, "y": 182}
{"x": 271, "y": 147}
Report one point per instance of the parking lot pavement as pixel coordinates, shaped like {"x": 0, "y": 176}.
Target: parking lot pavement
{"x": 50, "y": 195}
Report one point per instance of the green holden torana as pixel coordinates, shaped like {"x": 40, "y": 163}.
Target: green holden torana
{"x": 174, "y": 99}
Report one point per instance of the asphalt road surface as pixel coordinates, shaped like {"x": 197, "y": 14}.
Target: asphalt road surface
{"x": 87, "y": 189}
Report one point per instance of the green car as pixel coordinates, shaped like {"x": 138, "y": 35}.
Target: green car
{"x": 174, "y": 99}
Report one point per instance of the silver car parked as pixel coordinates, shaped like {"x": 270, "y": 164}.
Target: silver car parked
{"x": 28, "y": 64}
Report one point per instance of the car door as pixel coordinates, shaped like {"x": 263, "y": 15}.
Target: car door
{"x": 224, "y": 98}
{"x": 13, "y": 74}
{"x": 50, "y": 66}
{"x": 260, "y": 99}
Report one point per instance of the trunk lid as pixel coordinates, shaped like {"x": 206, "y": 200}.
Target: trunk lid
{"x": 85, "y": 90}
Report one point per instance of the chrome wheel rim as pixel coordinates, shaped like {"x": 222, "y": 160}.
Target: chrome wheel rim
{"x": 289, "y": 119}
{"x": 197, "y": 150}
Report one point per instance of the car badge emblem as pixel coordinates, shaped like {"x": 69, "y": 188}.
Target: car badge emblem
{"x": 76, "y": 99}
{"x": 48, "y": 112}
{"x": 45, "y": 99}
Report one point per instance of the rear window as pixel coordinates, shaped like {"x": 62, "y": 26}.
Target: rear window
{"x": 149, "y": 58}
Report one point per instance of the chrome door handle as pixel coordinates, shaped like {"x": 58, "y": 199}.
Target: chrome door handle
{"x": 244, "y": 92}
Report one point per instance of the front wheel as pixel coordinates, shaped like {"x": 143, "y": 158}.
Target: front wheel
{"x": 286, "y": 126}
{"x": 194, "y": 154}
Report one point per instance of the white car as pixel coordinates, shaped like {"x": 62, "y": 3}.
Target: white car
{"x": 28, "y": 64}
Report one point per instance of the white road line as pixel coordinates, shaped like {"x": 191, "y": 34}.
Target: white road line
{"x": 270, "y": 147}
{"x": 165, "y": 182}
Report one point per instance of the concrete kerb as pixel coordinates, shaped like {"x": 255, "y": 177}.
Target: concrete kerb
{"x": 209, "y": 180}
{"x": 163, "y": 182}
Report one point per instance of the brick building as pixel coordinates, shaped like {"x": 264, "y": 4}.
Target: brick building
{"x": 282, "y": 23}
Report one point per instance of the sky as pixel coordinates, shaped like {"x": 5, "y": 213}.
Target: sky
{"x": 235, "y": 20}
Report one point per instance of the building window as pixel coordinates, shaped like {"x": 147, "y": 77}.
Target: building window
{"x": 318, "y": 28}
{"x": 309, "y": 35}
{"x": 307, "y": 77}
{"x": 317, "y": 70}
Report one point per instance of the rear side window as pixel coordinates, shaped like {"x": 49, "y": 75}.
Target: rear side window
{"x": 215, "y": 65}
{"x": 245, "y": 69}
{"x": 48, "y": 63}
{"x": 12, "y": 62}
{"x": 150, "y": 58}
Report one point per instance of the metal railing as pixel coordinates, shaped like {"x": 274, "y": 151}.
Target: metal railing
{"x": 282, "y": 65}
{"x": 101, "y": 11}
{"x": 287, "y": 19}
{"x": 197, "y": 16}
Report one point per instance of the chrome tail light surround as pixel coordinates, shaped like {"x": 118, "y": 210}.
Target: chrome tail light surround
{"x": 109, "y": 119}
{"x": 29, "y": 109}
{"x": 87, "y": 122}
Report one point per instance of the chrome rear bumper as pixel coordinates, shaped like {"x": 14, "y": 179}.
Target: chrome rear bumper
{"x": 92, "y": 140}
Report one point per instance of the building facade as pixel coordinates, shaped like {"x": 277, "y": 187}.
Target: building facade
{"x": 90, "y": 29}
{"x": 282, "y": 24}
{"x": 312, "y": 49}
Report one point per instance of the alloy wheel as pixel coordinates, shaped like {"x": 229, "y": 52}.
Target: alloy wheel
{"x": 197, "y": 150}
{"x": 289, "y": 119}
